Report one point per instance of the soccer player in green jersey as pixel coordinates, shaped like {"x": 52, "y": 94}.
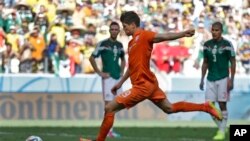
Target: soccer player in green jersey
{"x": 218, "y": 54}
{"x": 111, "y": 52}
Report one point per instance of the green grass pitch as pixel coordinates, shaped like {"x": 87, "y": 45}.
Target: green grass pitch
{"x": 128, "y": 133}
{"x": 130, "y": 130}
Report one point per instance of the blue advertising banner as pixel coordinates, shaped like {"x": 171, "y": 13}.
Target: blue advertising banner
{"x": 34, "y": 96}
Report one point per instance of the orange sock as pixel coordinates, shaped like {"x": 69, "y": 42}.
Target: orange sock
{"x": 187, "y": 107}
{"x": 107, "y": 123}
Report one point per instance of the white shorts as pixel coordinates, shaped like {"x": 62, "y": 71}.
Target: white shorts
{"x": 107, "y": 85}
{"x": 217, "y": 90}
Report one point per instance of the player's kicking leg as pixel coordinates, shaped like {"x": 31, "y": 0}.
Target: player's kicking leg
{"x": 184, "y": 106}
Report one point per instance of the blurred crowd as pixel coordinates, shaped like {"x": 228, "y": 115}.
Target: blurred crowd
{"x": 58, "y": 36}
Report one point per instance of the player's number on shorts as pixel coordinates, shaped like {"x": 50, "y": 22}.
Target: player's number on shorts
{"x": 126, "y": 93}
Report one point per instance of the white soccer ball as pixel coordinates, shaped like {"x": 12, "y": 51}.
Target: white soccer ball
{"x": 33, "y": 138}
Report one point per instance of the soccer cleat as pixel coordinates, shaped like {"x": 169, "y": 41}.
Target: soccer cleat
{"x": 113, "y": 134}
{"x": 213, "y": 110}
{"x": 219, "y": 136}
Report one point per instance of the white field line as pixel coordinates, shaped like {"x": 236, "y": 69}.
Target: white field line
{"x": 123, "y": 137}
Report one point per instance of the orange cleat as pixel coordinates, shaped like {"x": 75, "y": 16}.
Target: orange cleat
{"x": 210, "y": 107}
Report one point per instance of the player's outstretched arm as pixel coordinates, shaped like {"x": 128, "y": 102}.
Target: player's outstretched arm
{"x": 160, "y": 37}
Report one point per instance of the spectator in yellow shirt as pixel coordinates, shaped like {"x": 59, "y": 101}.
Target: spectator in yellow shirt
{"x": 13, "y": 39}
{"x": 59, "y": 30}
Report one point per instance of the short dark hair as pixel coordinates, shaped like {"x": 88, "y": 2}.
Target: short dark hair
{"x": 219, "y": 24}
{"x": 114, "y": 23}
{"x": 129, "y": 17}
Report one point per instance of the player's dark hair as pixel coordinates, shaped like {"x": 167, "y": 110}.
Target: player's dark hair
{"x": 219, "y": 24}
{"x": 129, "y": 17}
{"x": 114, "y": 23}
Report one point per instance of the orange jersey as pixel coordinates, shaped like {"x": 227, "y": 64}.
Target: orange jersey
{"x": 145, "y": 84}
{"x": 139, "y": 52}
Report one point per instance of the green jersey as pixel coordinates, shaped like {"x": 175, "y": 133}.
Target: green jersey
{"x": 218, "y": 54}
{"x": 110, "y": 52}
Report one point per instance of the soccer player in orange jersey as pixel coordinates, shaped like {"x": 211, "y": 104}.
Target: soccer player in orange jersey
{"x": 144, "y": 82}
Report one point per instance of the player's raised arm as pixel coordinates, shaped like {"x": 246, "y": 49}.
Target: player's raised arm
{"x": 173, "y": 35}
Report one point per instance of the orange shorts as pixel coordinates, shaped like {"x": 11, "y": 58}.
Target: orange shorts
{"x": 135, "y": 95}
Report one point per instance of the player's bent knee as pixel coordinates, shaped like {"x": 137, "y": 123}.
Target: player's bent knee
{"x": 167, "y": 109}
{"x": 108, "y": 108}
